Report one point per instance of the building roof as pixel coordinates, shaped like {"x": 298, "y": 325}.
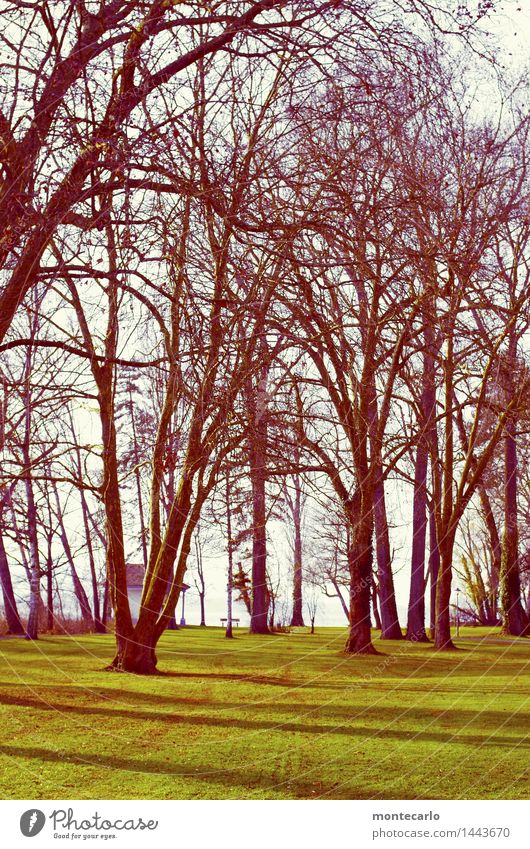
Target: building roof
{"x": 135, "y": 576}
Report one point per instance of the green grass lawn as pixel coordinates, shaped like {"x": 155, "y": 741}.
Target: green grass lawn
{"x": 288, "y": 716}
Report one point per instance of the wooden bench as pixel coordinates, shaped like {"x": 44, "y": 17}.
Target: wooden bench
{"x": 234, "y": 622}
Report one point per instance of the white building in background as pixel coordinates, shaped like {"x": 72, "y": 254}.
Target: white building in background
{"x": 135, "y": 585}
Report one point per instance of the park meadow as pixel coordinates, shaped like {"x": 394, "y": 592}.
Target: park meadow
{"x": 284, "y": 717}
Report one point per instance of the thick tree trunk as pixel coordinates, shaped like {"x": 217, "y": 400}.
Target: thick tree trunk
{"x": 360, "y": 562}
{"x": 14, "y": 625}
{"x": 203, "y": 610}
{"x": 390, "y": 627}
{"x": 136, "y": 655}
{"x": 514, "y": 617}
{"x": 297, "y": 618}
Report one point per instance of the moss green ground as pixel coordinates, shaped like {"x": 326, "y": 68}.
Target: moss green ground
{"x": 280, "y": 717}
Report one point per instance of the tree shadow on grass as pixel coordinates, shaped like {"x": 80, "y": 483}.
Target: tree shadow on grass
{"x": 243, "y": 782}
{"x": 247, "y": 778}
{"x": 467, "y": 662}
{"x": 240, "y": 678}
{"x": 489, "y": 722}
{"x": 328, "y": 710}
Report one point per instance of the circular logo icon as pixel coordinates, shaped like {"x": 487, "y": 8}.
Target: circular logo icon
{"x": 32, "y": 822}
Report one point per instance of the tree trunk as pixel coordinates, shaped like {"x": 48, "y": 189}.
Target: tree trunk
{"x": 260, "y": 595}
{"x": 427, "y": 444}
{"x": 143, "y": 534}
{"x": 297, "y": 618}
{"x": 338, "y": 591}
{"x": 492, "y": 598}
{"x": 99, "y": 623}
{"x": 230, "y": 585}
{"x": 375, "y": 607}
{"x": 136, "y": 656}
{"x": 49, "y": 588}
{"x": 104, "y": 596}
{"x": 106, "y": 606}
{"x": 443, "y": 594}
{"x": 360, "y": 561}
{"x": 32, "y": 631}
{"x": 200, "y": 582}
{"x": 272, "y": 610}
{"x": 434, "y": 568}
{"x": 35, "y": 601}
{"x": 116, "y": 569}
{"x": 493, "y": 534}
{"x": 514, "y": 621}
{"x": 488, "y": 603}
{"x": 79, "y": 590}
{"x": 158, "y": 604}
{"x": 14, "y": 625}
{"x": 390, "y": 627}
{"x": 443, "y": 501}
{"x": 99, "y": 620}
{"x": 416, "y": 608}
